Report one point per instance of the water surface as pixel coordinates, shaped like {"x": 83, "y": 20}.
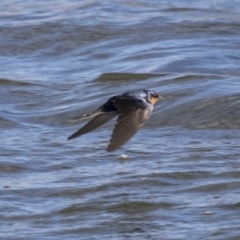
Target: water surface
{"x": 60, "y": 59}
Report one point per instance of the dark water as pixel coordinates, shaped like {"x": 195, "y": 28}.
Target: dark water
{"x": 60, "y": 59}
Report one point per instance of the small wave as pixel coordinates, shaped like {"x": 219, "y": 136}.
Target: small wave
{"x": 9, "y": 82}
{"x": 220, "y": 112}
{"x": 7, "y": 123}
{"x": 127, "y": 76}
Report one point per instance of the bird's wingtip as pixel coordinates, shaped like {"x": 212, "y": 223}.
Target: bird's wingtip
{"x": 70, "y": 137}
{"x": 111, "y": 148}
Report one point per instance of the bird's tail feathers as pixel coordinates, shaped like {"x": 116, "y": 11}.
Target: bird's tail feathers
{"x": 85, "y": 116}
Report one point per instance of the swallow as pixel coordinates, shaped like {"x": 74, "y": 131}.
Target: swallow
{"x": 133, "y": 110}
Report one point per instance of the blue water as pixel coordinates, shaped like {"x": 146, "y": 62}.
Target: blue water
{"x": 61, "y": 59}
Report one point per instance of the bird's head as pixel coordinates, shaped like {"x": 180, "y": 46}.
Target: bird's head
{"x": 153, "y": 97}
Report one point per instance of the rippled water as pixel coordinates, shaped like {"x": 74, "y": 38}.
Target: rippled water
{"x": 60, "y": 59}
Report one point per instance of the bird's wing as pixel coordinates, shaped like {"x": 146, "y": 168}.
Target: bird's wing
{"x": 96, "y": 122}
{"x": 131, "y": 118}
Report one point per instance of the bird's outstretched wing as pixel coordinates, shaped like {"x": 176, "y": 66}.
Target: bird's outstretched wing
{"x": 96, "y": 122}
{"x": 132, "y": 116}
{"x": 102, "y": 115}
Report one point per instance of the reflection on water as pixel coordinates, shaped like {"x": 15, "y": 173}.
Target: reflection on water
{"x": 62, "y": 59}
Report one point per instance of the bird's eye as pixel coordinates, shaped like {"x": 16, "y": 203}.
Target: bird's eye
{"x": 155, "y": 96}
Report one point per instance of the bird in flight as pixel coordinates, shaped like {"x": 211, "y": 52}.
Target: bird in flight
{"x": 133, "y": 110}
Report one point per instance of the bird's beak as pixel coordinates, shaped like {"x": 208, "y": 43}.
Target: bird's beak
{"x": 160, "y": 98}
